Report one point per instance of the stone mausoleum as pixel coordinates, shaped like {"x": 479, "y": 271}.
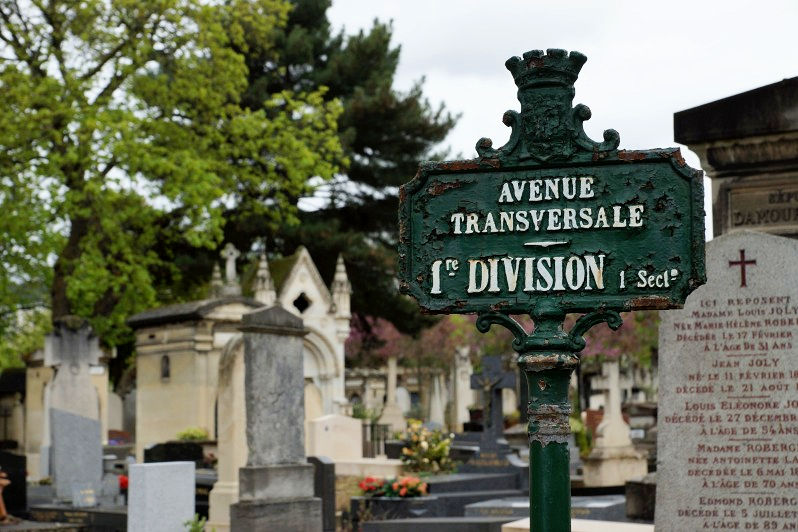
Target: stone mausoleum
{"x": 178, "y": 347}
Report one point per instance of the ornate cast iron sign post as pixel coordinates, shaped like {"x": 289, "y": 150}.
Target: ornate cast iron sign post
{"x": 551, "y": 223}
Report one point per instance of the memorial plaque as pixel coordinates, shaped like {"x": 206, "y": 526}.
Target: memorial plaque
{"x": 728, "y": 393}
{"x": 770, "y": 206}
{"x": 552, "y": 215}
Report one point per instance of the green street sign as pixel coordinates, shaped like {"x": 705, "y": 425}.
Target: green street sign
{"x": 552, "y": 216}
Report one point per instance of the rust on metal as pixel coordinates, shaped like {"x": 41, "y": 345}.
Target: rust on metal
{"x": 439, "y": 188}
{"x": 631, "y": 155}
{"x": 651, "y": 302}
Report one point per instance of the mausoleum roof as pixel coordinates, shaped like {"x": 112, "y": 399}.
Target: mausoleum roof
{"x": 764, "y": 110}
{"x": 280, "y": 268}
{"x": 192, "y": 310}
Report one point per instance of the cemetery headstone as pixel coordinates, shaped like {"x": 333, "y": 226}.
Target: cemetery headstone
{"x": 77, "y": 454}
{"x": 391, "y": 411}
{"x": 613, "y": 459}
{"x": 276, "y": 486}
{"x": 491, "y": 381}
{"x": 728, "y": 399}
{"x": 494, "y": 454}
{"x": 324, "y": 489}
{"x": 748, "y": 148}
{"x": 71, "y": 348}
{"x": 462, "y": 394}
{"x": 160, "y": 496}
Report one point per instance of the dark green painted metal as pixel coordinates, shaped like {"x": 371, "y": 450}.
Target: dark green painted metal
{"x": 549, "y": 142}
{"x": 547, "y": 357}
{"x": 549, "y": 487}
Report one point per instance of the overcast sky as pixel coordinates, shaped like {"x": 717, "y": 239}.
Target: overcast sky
{"x": 646, "y": 60}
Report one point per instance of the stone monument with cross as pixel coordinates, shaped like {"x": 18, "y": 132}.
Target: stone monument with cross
{"x": 231, "y": 287}
{"x": 494, "y": 451}
{"x": 74, "y": 454}
{"x": 491, "y": 381}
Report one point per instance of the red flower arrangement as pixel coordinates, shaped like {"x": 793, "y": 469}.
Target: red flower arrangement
{"x": 393, "y": 487}
{"x": 123, "y": 482}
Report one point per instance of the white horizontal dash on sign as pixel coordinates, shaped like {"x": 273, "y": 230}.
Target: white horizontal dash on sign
{"x": 547, "y": 243}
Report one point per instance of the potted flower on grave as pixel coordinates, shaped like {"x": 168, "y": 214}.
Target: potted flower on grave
{"x": 426, "y": 450}
{"x": 392, "y": 498}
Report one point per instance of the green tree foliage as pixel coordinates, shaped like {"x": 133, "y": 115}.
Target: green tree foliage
{"x": 128, "y": 128}
{"x": 384, "y": 133}
{"x": 23, "y": 333}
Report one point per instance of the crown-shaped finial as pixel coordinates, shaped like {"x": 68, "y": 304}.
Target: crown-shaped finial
{"x": 549, "y": 127}
{"x": 555, "y": 67}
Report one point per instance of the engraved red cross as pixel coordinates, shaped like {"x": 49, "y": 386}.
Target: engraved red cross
{"x": 742, "y": 263}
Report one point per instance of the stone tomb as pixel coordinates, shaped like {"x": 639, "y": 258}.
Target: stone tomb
{"x": 728, "y": 398}
{"x": 748, "y": 145}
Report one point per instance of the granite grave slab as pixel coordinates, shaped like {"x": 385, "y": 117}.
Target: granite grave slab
{"x": 76, "y": 453}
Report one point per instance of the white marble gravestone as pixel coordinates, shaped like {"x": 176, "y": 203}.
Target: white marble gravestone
{"x": 728, "y": 394}
{"x": 160, "y": 496}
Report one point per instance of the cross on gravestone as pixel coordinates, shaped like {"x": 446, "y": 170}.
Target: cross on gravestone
{"x": 231, "y": 286}
{"x": 491, "y": 381}
{"x": 72, "y": 348}
{"x": 230, "y": 254}
{"x": 742, "y": 263}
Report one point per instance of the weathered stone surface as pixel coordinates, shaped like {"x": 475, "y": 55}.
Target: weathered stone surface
{"x": 728, "y": 402}
{"x": 76, "y": 453}
{"x": 769, "y": 109}
{"x": 748, "y": 145}
{"x": 274, "y": 392}
{"x": 297, "y": 515}
{"x": 274, "y": 319}
{"x": 71, "y": 348}
{"x": 160, "y": 496}
{"x": 275, "y": 481}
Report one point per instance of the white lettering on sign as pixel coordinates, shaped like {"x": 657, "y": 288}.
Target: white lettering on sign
{"x": 554, "y": 219}
{"x": 531, "y": 274}
{"x": 546, "y": 189}
{"x": 566, "y": 219}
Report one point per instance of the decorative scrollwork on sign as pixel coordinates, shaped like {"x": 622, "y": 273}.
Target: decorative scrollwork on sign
{"x": 486, "y": 319}
{"x": 585, "y": 322}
